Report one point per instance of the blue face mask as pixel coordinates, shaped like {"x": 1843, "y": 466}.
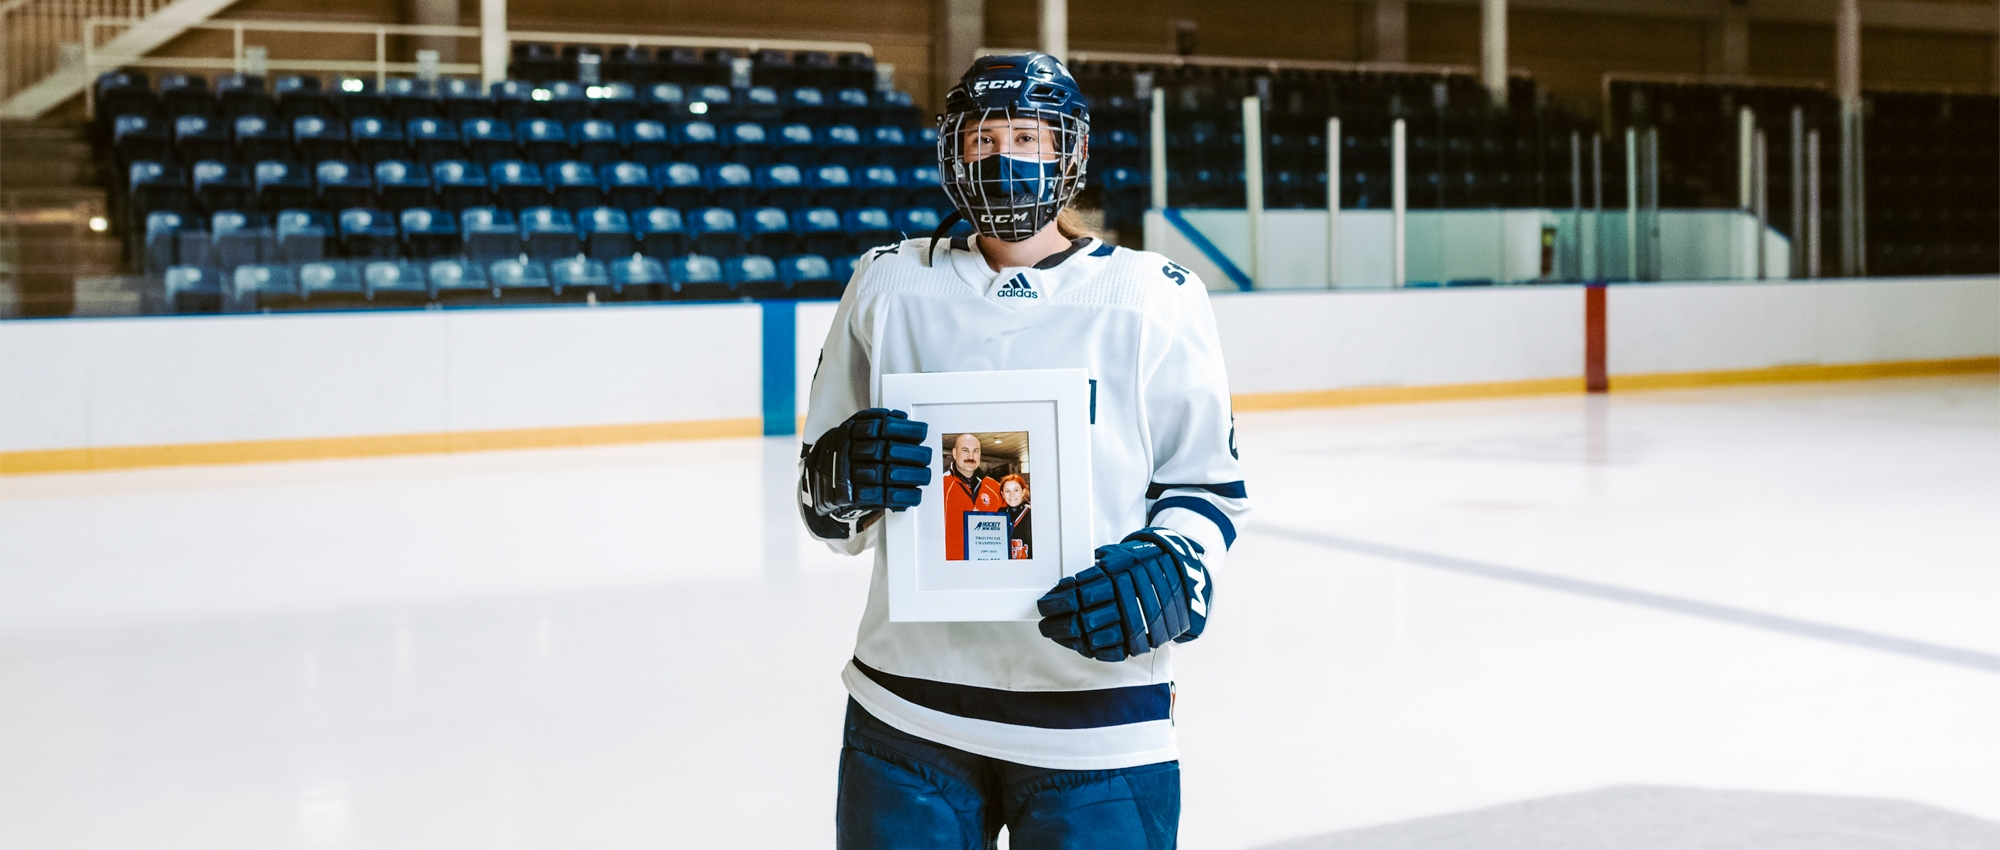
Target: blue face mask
{"x": 1007, "y": 198}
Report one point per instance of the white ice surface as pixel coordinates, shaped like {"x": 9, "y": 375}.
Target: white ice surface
{"x": 636, "y": 647}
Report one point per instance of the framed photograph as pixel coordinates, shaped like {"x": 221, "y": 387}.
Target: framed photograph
{"x": 1007, "y": 512}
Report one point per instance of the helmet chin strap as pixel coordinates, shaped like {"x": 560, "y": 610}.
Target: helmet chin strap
{"x": 943, "y": 227}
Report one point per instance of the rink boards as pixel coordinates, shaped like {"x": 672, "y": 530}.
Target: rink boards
{"x": 117, "y": 393}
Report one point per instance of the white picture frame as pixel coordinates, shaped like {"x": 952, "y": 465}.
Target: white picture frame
{"x": 1053, "y": 408}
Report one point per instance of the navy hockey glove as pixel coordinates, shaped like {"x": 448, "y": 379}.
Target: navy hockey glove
{"x": 1147, "y": 590}
{"x": 874, "y": 461}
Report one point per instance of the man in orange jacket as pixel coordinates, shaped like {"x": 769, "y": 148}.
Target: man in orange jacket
{"x": 966, "y": 489}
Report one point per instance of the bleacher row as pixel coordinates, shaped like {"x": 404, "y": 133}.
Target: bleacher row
{"x": 676, "y": 188}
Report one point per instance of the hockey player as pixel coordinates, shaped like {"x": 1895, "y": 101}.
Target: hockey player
{"x": 1062, "y": 731}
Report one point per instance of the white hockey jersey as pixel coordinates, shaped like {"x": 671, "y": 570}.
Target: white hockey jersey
{"x": 1162, "y": 454}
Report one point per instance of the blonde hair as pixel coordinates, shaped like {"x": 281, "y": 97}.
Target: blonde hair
{"x": 1070, "y": 224}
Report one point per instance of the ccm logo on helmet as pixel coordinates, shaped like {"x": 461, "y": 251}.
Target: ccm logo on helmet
{"x": 992, "y": 218}
{"x": 983, "y": 86}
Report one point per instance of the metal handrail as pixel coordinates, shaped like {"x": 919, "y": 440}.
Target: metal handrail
{"x": 750, "y": 44}
{"x": 1267, "y": 63}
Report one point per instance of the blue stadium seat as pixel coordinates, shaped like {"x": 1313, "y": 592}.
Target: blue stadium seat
{"x": 239, "y": 95}
{"x": 185, "y": 94}
{"x": 717, "y": 103}
{"x": 714, "y": 231}
{"x": 299, "y": 96}
{"x": 459, "y": 184}
{"x": 428, "y": 234}
{"x": 808, "y": 276}
{"x": 192, "y": 245}
{"x": 548, "y": 233}
{"x": 760, "y": 104}
{"x": 257, "y": 139}
{"x": 138, "y": 137}
{"x": 464, "y": 100}
{"x": 819, "y": 231}
{"x": 814, "y": 68}
{"x": 517, "y": 185}
{"x": 333, "y": 281}
{"x": 394, "y": 281}
{"x": 564, "y": 102}
{"x": 753, "y": 276}
{"x": 696, "y": 277}
{"x": 534, "y": 62}
{"x": 164, "y": 229}
{"x": 660, "y": 232}
{"x": 488, "y": 140}
{"x": 543, "y": 141}
{"x": 915, "y": 222}
{"x": 574, "y": 186}
{"x": 627, "y": 185}
{"x": 194, "y": 289}
{"x": 631, "y": 64}
{"x": 637, "y": 276}
{"x": 401, "y": 185}
{"x": 868, "y": 227}
{"x": 318, "y": 139}
{"x": 647, "y": 141}
{"x": 730, "y": 184}
{"x": 433, "y": 139}
{"x": 920, "y": 147}
{"x": 220, "y": 186}
{"x": 237, "y": 238}
{"x": 663, "y": 102}
{"x": 376, "y": 139}
{"x": 342, "y": 185}
{"x": 357, "y": 98}
{"x": 517, "y": 277}
{"x": 262, "y": 285}
{"x": 773, "y": 68}
{"x": 840, "y": 144}
{"x": 606, "y": 233}
{"x": 125, "y": 93}
{"x": 843, "y": 267}
{"x": 696, "y": 141}
{"x": 852, "y": 106}
{"x": 368, "y": 234}
{"x": 833, "y": 186}
{"x": 681, "y": 65}
{"x": 409, "y": 99}
{"x": 513, "y": 100}
{"x": 805, "y": 105}
{"x": 579, "y": 274}
{"x": 616, "y": 101}
{"x": 490, "y": 234}
{"x": 769, "y": 231}
{"x": 886, "y": 145}
{"x": 455, "y": 278}
{"x": 923, "y": 188}
{"x": 153, "y": 186}
{"x": 896, "y": 108}
{"x": 782, "y": 185}
{"x": 748, "y": 143}
{"x": 881, "y": 186}
{"x": 199, "y": 137}
{"x": 596, "y": 141}
{"x": 303, "y": 236}
{"x": 679, "y": 185}
{"x": 795, "y": 144}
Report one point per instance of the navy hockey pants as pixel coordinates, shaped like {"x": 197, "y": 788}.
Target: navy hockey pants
{"x": 899, "y": 791}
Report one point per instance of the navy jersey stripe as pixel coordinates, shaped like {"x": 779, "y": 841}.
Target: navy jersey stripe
{"x": 1227, "y": 489}
{"x": 1200, "y": 506}
{"x": 1040, "y": 709}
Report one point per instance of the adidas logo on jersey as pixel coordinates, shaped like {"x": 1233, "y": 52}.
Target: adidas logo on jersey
{"x": 1017, "y": 288}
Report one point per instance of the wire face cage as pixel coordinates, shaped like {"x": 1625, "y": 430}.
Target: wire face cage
{"x": 1009, "y": 170}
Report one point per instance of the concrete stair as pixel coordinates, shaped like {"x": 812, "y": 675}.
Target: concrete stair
{"x": 50, "y": 191}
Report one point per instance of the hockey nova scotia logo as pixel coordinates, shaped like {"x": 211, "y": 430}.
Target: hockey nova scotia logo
{"x": 1017, "y": 287}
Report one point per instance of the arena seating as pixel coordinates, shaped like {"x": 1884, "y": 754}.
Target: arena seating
{"x": 651, "y": 184}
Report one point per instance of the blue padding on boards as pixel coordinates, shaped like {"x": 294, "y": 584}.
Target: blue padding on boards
{"x": 781, "y": 367}
{"x": 1207, "y": 248}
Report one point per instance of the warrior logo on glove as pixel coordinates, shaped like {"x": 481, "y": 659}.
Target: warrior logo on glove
{"x": 1147, "y": 590}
